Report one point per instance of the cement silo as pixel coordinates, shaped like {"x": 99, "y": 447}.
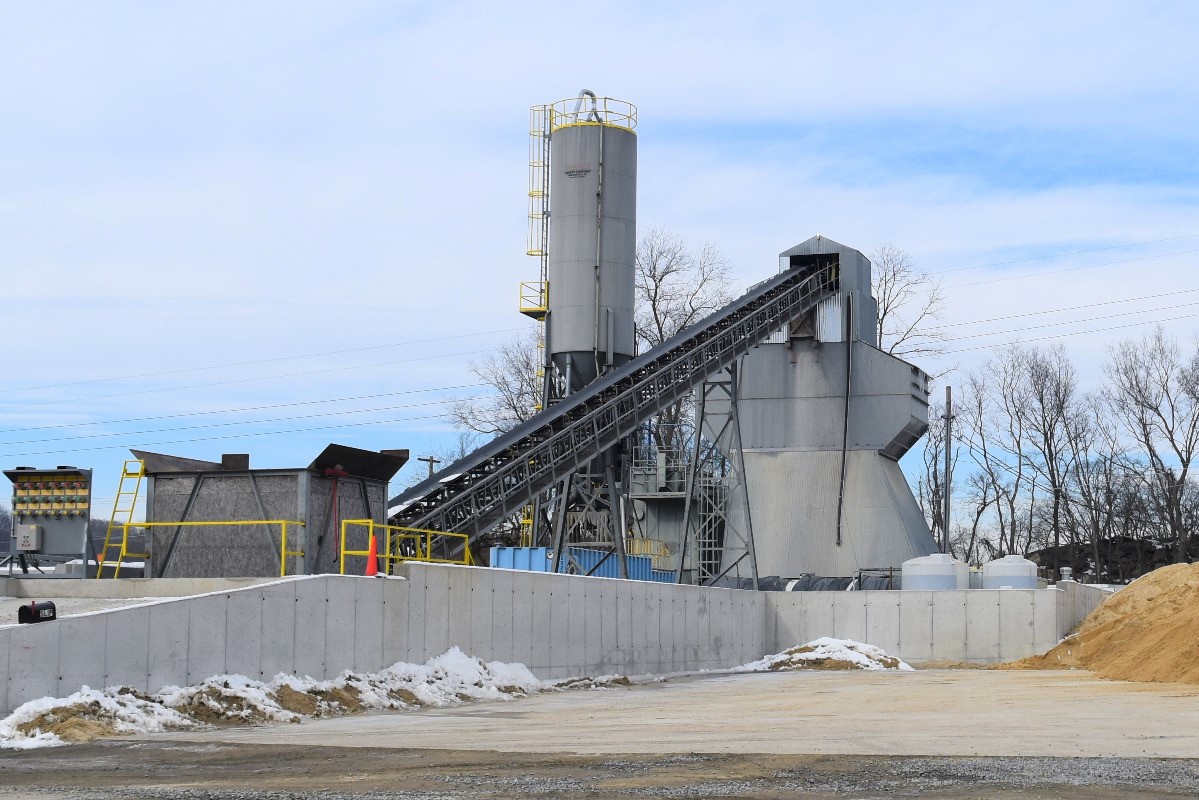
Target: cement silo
{"x": 592, "y": 239}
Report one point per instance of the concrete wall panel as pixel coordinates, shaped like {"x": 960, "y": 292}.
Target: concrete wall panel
{"x": 5, "y": 643}
{"x": 436, "y": 609}
{"x": 482, "y": 598}
{"x": 949, "y": 626}
{"x": 1045, "y": 620}
{"x": 983, "y": 618}
{"x": 339, "y": 625}
{"x": 311, "y": 611}
{"x": 576, "y": 621}
{"x": 1017, "y": 634}
{"x": 819, "y": 616}
{"x": 395, "y": 621}
{"x": 611, "y": 656}
{"x": 278, "y": 629}
{"x": 166, "y": 648}
{"x": 593, "y": 622}
{"x": 206, "y": 636}
{"x": 33, "y": 663}
{"x": 417, "y": 591}
{"x": 368, "y": 624}
{"x": 916, "y": 626}
{"x": 849, "y": 615}
{"x": 81, "y": 653}
{"x": 124, "y": 655}
{"x": 882, "y": 620}
{"x": 244, "y": 621}
{"x": 559, "y": 630}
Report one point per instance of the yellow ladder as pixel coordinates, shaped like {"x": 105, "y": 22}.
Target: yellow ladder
{"x": 122, "y": 514}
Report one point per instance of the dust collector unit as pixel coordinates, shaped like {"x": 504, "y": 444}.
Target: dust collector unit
{"x": 593, "y": 236}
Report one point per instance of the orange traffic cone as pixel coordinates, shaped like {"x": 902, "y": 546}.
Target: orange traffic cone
{"x": 372, "y": 558}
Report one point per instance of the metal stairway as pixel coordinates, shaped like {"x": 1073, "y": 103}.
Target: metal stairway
{"x": 497, "y": 480}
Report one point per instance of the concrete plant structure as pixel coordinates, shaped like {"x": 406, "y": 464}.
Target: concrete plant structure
{"x": 825, "y": 417}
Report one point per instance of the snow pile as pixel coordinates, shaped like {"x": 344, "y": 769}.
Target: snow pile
{"x": 86, "y": 715}
{"x": 828, "y": 654}
{"x": 449, "y": 679}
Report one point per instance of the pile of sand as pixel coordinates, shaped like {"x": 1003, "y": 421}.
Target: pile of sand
{"x": 827, "y": 654}
{"x": 1146, "y": 632}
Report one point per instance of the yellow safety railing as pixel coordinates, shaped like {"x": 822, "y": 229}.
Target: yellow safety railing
{"x": 534, "y": 298}
{"x": 283, "y": 524}
{"x": 593, "y": 111}
{"x": 396, "y": 543}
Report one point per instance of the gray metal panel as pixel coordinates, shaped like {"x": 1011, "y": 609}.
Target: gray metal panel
{"x": 855, "y": 279}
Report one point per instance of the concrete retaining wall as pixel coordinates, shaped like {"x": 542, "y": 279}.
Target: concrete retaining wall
{"x": 979, "y": 626}
{"x": 558, "y": 625}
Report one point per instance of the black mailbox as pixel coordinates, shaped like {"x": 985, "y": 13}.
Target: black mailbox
{"x": 42, "y": 611}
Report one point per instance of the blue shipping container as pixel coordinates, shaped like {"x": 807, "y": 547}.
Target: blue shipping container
{"x": 534, "y": 559}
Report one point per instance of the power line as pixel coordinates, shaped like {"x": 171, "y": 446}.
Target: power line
{"x": 221, "y": 438}
{"x": 1063, "y": 255}
{"x": 226, "y": 424}
{"x": 244, "y": 409}
{"x": 1077, "y": 321}
{"x": 1074, "y": 333}
{"x": 1070, "y": 308}
{"x": 1070, "y": 269}
{"x": 255, "y": 363}
{"x": 247, "y": 380}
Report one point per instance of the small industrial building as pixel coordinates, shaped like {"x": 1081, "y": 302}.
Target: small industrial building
{"x": 341, "y": 483}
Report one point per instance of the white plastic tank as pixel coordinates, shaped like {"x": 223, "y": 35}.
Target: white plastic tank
{"x": 1010, "y": 572}
{"x": 939, "y": 572}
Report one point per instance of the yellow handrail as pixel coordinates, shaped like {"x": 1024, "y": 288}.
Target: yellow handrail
{"x": 283, "y": 523}
{"x": 398, "y": 543}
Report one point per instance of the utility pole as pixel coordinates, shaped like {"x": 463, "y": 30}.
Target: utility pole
{"x": 430, "y": 460}
{"x": 948, "y": 417}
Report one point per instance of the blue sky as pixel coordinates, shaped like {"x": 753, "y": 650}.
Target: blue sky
{"x": 316, "y": 211}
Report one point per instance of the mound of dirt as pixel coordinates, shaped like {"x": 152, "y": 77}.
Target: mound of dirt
{"x": 1148, "y": 631}
{"x": 828, "y": 654}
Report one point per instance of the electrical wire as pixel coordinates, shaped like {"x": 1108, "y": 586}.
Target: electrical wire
{"x": 246, "y": 380}
{"x": 222, "y": 438}
{"x": 1077, "y": 321}
{"x": 1069, "y": 308}
{"x": 225, "y": 424}
{"x": 268, "y": 407}
{"x": 1070, "y": 269}
{"x": 1072, "y": 333}
{"x": 1063, "y": 255}
{"x": 255, "y": 363}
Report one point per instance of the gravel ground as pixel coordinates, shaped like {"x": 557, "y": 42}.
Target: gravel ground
{"x": 276, "y": 772}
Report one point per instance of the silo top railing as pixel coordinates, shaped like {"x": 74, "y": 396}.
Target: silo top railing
{"x": 592, "y": 111}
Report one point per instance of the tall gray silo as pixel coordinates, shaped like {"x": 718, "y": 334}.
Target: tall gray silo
{"x": 593, "y": 238}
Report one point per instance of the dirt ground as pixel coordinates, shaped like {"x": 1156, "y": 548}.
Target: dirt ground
{"x": 224, "y": 771}
{"x": 939, "y": 734}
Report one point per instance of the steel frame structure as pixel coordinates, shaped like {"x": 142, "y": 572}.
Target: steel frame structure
{"x": 479, "y": 490}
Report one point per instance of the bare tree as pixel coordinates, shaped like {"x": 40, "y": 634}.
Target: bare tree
{"x": 909, "y": 302}
{"x": 513, "y": 375}
{"x": 676, "y": 286}
{"x": 1052, "y": 419}
{"x": 1155, "y": 395}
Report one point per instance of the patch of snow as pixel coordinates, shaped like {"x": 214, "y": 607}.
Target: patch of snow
{"x": 452, "y": 678}
{"x": 855, "y": 654}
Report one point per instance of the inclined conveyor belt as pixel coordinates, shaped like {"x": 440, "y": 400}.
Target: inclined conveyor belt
{"x": 495, "y": 481}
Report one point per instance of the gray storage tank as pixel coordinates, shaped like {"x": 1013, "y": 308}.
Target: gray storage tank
{"x": 593, "y": 236}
